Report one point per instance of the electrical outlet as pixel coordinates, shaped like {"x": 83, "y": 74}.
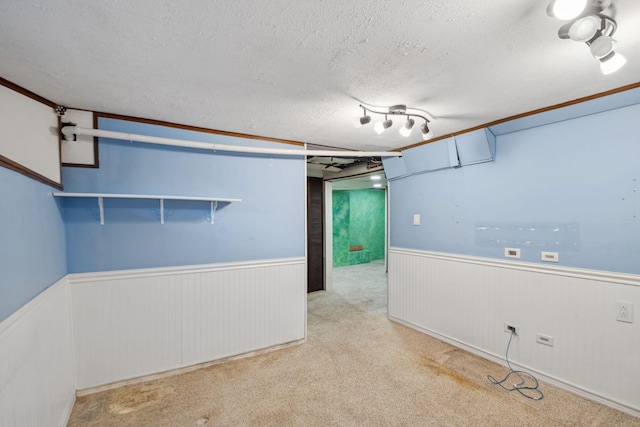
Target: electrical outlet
{"x": 509, "y": 327}
{"x": 624, "y": 311}
{"x": 512, "y": 252}
{"x": 416, "y": 219}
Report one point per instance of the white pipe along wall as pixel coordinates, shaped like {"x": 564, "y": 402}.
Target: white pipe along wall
{"x": 69, "y": 131}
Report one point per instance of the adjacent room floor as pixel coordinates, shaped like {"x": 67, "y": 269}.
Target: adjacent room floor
{"x": 356, "y": 368}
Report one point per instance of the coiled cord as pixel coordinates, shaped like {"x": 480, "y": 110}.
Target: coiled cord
{"x": 530, "y": 392}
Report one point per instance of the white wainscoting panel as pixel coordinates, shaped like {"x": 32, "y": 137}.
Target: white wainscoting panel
{"x": 125, "y": 327}
{"x": 237, "y": 311}
{"x": 129, "y": 324}
{"x": 466, "y": 300}
{"x": 37, "y": 375}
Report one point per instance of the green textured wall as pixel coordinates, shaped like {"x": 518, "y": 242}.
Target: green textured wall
{"x": 358, "y": 219}
{"x": 340, "y": 228}
{"x": 367, "y": 221}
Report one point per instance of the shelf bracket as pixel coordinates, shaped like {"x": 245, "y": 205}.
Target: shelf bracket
{"x": 161, "y": 211}
{"x": 101, "y": 207}
{"x": 214, "y": 206}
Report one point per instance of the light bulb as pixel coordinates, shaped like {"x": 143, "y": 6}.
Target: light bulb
{"x": 612, "y": 63}
{"x": 566, "y": 9}
{"x": 584, "y": 29}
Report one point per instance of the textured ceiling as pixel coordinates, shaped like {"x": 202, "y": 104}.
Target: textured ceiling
{"x": 297, "y": 70}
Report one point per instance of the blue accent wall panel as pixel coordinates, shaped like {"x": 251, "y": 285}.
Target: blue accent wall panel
{"x": 570, "y": 187}
{"x": 267, "y": 224}
{"x": 32, "y": 246}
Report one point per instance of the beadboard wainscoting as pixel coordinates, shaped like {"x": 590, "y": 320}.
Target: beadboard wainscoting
{"x": 37, "y": 375}
{"x": 136, "y": 323}
{"x": 466, "y": 301}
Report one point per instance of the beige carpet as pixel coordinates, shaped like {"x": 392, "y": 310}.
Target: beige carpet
{"x": 356, "y": 368}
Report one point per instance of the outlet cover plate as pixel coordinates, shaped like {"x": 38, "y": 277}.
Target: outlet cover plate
{"x": 512, "y": 252}
{"x": 544, "y": 339}
{"x": 506, "y": 328}
{"x": 624, "y": 311}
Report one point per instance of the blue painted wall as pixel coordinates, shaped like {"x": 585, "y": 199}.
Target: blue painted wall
{"x": 32, "y": 245}
{"x": 267, "y": 224}
{"x": 569, "y": 187}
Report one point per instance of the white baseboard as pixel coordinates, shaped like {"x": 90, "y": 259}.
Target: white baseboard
{"x": 173, "y": 372}
{"x": 587, "y": 394}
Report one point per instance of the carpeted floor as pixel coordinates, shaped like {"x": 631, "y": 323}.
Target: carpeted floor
{"x": 356, "y": 368}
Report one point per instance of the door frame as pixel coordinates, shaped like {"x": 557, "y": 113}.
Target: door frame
{"x": 328, "y": 232}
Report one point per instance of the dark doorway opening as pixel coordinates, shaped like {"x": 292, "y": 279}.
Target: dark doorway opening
{"x": 315, "y": 234}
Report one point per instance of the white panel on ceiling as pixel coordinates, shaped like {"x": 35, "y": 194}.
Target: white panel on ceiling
{"x": 29, "y": 134}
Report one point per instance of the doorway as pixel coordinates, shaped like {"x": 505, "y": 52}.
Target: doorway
{"x": 315, "y": 235}
{"x": 356, "y": 222}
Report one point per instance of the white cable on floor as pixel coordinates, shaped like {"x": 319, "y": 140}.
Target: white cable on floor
{"x": 520, "y": 387}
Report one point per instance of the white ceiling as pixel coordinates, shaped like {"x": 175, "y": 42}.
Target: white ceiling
{"x": 297, "y": 70}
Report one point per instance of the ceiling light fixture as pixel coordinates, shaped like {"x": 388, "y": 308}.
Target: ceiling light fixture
{"x": 376, "y": 177}
{"x": 400, "y": 110}
{"x": 590, "y": 25}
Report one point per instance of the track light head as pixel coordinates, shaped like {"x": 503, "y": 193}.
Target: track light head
{"x": 601, "y": 47}
{"x": 426, "y": 132}
{"x": 406, "y": 129}
{"x": 364, "y": 120}
{"x": 382, "y": 126}
{"x": 581, "y": 30}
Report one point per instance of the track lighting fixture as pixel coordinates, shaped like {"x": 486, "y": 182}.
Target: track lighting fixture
{"x": 590, "y": 25}
{"x": 401, "y": 110}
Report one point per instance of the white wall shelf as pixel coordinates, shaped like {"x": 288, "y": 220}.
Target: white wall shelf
{"x": 101, "y": 196}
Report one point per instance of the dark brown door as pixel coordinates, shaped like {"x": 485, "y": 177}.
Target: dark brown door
{"x": 315, "y": 234}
